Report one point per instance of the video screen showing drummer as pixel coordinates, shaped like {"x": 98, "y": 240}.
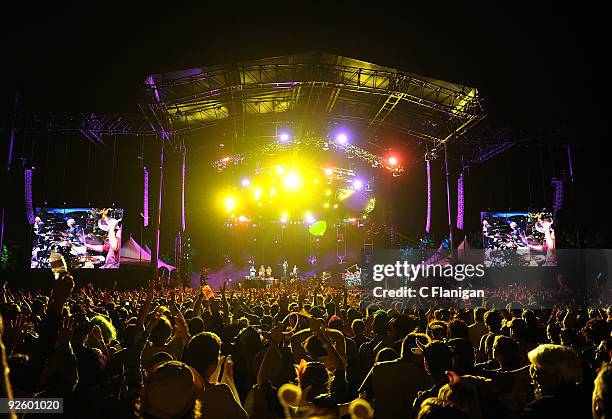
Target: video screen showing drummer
{"x": 531, "y": 234}
{"x": 86, "y": 237}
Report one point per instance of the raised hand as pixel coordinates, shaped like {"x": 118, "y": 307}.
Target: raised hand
{"x": 96, "y": 332}
{"x": 65, "y": 331}
{"x": 154, "y": 320}
{"x": 228, "y": 369}
{"x": 62, "y": 289}
{"x": 277, "y": 333}
{"x": 15, "y": 332}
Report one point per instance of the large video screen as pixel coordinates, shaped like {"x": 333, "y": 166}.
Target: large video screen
{"x": 518, "y": 238}
{"x": 86, "y": 237}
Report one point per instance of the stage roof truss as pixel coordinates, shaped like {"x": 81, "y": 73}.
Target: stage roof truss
{"x": 313, "y": 85}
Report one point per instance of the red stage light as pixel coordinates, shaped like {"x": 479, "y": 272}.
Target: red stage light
{"x": 392, "y": 161}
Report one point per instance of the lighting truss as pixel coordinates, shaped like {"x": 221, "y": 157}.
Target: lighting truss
{"x": 93, "y": 126}
{"x": 312, "y": 86}
{"x": 485, "y": 142}
{"x": 349, "y": 150}
{"x": 339, "y": 173}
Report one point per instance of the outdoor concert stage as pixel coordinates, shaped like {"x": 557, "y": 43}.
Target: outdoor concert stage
{"x": 313, "y": 158}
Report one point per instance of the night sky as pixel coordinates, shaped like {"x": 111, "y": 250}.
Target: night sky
{"x": 95, "y": 55}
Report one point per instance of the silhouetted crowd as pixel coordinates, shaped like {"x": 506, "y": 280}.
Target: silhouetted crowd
{"x": 300, "y": 351}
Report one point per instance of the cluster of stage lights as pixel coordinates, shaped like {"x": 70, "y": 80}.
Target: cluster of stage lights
{"x": 279, "y": 185}
{"x": 339, "y": 141}
{"x": 390, "y": 162}
{"x": 287, "y": 182}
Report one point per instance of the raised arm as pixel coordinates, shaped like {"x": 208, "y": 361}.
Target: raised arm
{"x": 271, "y": 353}
{"x": 144, "y": 310}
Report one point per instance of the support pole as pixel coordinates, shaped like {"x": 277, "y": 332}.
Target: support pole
{"x": 448, "y": 200}
{"x": 155, "y": 250}
{"x": 181, "y": 244}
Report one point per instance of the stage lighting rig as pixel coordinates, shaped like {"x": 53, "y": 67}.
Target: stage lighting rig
{"x": 338, "y": 173}
{"x": 340, "y": 143}
{"x": 431, "y": 155}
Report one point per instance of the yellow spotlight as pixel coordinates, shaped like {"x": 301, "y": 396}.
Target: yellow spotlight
{"x": 292, "y": 181}
{"x": 335, "y": 206}
{"x": 280, "y": 170}
{"x": 316, "y": 181}
{"x": 257, "y": 194}
{"x": 328, "y": 192}
{"x": 230, "y": 203}
{"x": 272, "y": 192}
{"x": 328, "y": 171}
{"x": 326, "y": 205}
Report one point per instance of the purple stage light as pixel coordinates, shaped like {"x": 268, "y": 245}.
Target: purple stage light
{"x": 145, "y": 198}
{"x": 357, "y": 184}
{"x": 341, "y": 138}
{"x": 28, "y": 195}
{"x": 558, "y": 195}
{"x": 183, "y": 176}
{"x": 245, "y": 182}
{"x": 284, "y": 138}
{"x": 460, "y": 198}
{"x": 428, "y": 224}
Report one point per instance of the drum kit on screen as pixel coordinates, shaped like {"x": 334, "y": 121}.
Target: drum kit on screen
{"x": 53, "y": 237}
{"x": 73, "y": 250}
{"x": 72, "y": 247}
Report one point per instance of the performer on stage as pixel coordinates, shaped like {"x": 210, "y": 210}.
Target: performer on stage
{"x": 39, "y": 227}
{"x": 295, "y": 272}
{"x": 285, "y": 266}
{"x": 112, "y": 247}
{"x": 204, "y": 276}
{"x": 252, "y": 272}
{"x": 73, "y": 231}
{"x": 262, "y": 272}
{"x": 517, "y": 235}
{"x": 487, "y": 233}
{"x": 268, "y": 272}
{"x": 549, "y": 241}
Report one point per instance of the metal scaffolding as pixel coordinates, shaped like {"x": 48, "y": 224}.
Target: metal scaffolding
{"x": 312, "y": 86}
